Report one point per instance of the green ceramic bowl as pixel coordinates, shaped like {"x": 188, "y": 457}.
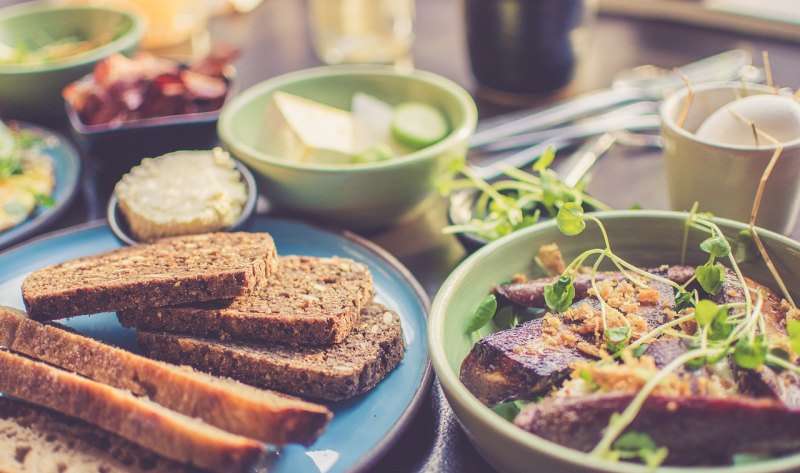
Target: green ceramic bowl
{"x": 358, "y": 196}
{"x": 646, "y": 238}
{"x": 34, "y": 91}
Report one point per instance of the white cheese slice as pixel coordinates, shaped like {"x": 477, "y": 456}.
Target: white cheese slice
{"x": 302, "y": 130}
{"x": 372, "y": 119}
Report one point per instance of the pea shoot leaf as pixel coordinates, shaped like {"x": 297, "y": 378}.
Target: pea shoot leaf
{"x": 751, "y": 355}
{"x": 778, "y": 353}
{"x": 637, "y": 445}
{"x": 704, "y": 312}
{"x": 483, "y": 314}
{"x": 793, "y": 327}
{"x": 545, "y": 160}
{"x": 559, "y": 295}
{"x": 683, "y": 300}
{"x": 616, "y": 338}
{"x": 709, "y": 276}
{"x": 716, "y": 246}
{"x": 639, "y": 351}
{"x": 570, "y": 219}
{"x": 720, "y": 328}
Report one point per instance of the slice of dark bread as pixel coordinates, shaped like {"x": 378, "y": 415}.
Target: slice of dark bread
{"x": 224, "y": 403}
{"x": 308, "y": 301}
{"x": 37, "y": 440}
{"x": 150, "y": 425}
{"x": 332, "y": 373}
{"x": 168, "y": 272}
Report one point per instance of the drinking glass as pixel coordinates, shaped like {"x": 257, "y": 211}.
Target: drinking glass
{"x": 362, "y": 31}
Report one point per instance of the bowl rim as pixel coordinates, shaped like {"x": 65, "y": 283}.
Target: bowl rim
{"x": 507, "y": 431}
{"x": 461, "y": 131}
{"x": 130, "y": 38}
{"x": 115, "y": 219}
{"x": 669, "y": 105}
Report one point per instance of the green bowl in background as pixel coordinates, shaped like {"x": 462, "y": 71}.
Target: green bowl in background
{"x": 645, "y": 238}
{"x": 357, "y": 196}
{"x": 34, "y": 91}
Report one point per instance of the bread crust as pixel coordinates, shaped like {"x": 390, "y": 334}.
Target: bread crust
{"x": 141, "y": 421}
{"x": 34, "y": 439}
{"x": 224, "y": 403}
{"x": 331, "y": 373}
{"x": 170, "y": 271}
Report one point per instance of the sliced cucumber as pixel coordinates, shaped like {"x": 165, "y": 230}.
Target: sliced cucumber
{"x": 418, "y": 125}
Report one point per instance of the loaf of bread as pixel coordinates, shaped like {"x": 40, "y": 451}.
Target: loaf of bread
{"x": 138, "y": 420}
{"x": 224, "y": 403}
{"x": 333, "y": 373}
{"x": 38, "y": 440}
{"x": 168, "y": 272}
{"x": 308, "y": 301}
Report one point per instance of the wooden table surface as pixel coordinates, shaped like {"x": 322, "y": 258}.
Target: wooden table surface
{"x": 275, "y": 40}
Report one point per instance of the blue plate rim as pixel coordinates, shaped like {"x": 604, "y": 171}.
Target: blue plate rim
{"x": 408, "y": 415}
{"x": 30, "y": 226}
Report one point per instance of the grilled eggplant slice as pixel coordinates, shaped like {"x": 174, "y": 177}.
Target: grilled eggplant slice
{"x": 524, "y": 362}
{"x": 530, "y": 293}
{"x": 696, "y": 430}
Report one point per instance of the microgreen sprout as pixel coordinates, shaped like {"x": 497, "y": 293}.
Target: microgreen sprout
{"x": 518, "y": 201}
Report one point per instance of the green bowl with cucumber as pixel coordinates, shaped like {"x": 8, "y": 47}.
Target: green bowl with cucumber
{"x": 361, "y": 147}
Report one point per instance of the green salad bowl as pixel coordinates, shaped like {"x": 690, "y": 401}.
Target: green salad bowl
{"x": 357, "y": 196}
{"x": 33, "y": 91}
{"x": 645, "y": 238}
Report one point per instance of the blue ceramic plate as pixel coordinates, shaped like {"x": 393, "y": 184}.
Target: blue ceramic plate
{"x": 363, "y": 428}
{"x": 67, "y": 164}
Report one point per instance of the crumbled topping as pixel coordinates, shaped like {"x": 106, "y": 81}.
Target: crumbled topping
{"x": 551, "y": 259}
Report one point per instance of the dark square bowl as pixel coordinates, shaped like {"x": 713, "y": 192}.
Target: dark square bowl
{"x": 117, "y": 147}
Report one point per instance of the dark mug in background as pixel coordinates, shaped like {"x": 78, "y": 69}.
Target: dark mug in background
{"x": 525, "y": 46}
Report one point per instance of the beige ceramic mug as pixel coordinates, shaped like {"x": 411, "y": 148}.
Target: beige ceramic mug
{"x": 724, "y": 178}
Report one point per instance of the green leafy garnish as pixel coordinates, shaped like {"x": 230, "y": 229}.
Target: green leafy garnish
{"x": 720, "y": 328}
{"x": 640, "y": 350}
{"x": 709, "y": 276}
{"x": 570, "y": 219}
{"x": 483, "y": 314}
{"x": 516, "y": 201}
{"x": 793, "y": 328}
{"x": 616, "y": 338}
{"x": 751, "y": 355}
{"x": 639, "y": 446}
{"x": 505, "y": 318}
{"x": 44, "y": 200}
{"x": 683, "y": 300}
{"x": 704, "y": 312}
{"x": 716, "y": 246}
{"x": 545, "y": 160}
{"x": 559, "y": 295}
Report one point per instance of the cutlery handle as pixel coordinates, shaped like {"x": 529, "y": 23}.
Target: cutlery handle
{"x": 563, "y": 112}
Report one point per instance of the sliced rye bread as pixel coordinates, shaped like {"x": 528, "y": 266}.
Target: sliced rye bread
{"x": 168, "y": 272}
{"x": 224, "y": 403}
{"x": 37, "y": 440}
{"x": 308, "y": 301}
{"x": 332, "y": 373}
{"x": 139, "y": 420}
